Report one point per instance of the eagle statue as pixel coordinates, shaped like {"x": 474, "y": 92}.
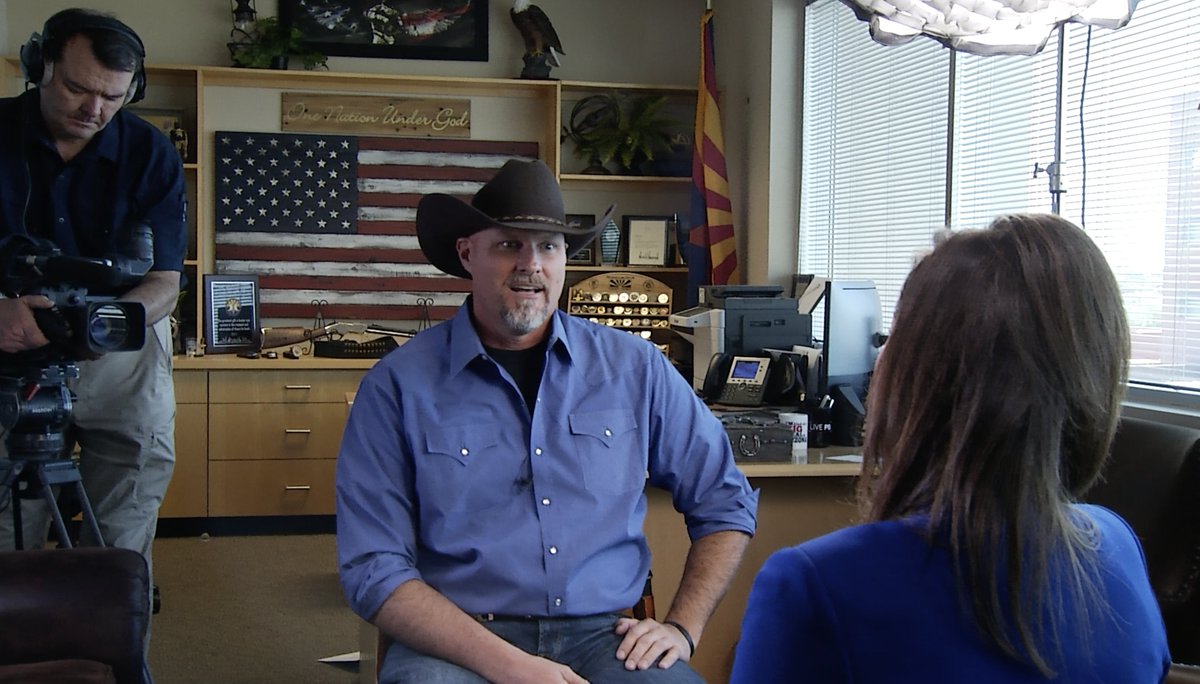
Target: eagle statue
{"x": 542, "y": 46}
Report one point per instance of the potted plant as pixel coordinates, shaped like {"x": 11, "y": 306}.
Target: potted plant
{"x": 627, "y": 130}
{"x": 270, "y": 45}
{"x": 592, "y": 119}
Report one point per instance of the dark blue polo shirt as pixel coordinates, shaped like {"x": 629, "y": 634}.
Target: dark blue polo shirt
{"x": 128, "y": 174}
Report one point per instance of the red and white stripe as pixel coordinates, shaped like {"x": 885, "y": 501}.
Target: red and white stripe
{"x": 378, "y": 273}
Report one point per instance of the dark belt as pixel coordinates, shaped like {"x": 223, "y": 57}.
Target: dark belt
{"x": 498, "y": 617}
{"x": 495, "y": 617}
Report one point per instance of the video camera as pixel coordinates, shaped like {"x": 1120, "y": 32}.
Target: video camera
{"x": 87, "y": 319}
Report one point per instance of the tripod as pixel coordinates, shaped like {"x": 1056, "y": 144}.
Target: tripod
{"x": 28, "y": 479}
{"x": 36, "y": 412}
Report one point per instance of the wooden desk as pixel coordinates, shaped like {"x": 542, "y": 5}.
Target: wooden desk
{"x": 796, "y": 503}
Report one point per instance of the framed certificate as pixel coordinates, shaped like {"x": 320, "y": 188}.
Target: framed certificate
{"x": 231, "y": 313}
{"x": 646, "y": 237}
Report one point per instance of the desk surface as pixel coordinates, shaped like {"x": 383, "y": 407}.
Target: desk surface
{"x": 831, "y": 461}
{"x": 235, "y": 362}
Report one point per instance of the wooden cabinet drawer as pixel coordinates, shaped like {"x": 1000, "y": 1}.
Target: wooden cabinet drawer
{"x": 191, "y": 387}
{"x": 273, "y": 386}
{"x": 271, "y": 487}
{"x": 274, "y": 431}
{"x": 187, "y": 495}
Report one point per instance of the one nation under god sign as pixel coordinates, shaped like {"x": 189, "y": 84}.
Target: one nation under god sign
{"x": 375, "y": 115}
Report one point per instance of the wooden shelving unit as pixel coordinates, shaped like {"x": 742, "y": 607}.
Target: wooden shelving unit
{"x": 197, "y": 89}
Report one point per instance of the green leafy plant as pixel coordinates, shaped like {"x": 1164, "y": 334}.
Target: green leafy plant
{"x": 629, "y": 130}
{"x": 272, "y": 43}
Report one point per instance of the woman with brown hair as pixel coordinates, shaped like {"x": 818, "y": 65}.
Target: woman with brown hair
{"x": 992, "y": 409}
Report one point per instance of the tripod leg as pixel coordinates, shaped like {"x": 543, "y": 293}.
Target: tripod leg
{"x": 18, "y": 528}
{"x": 89, "y": 516}
{"x": 60, "y": 528}
{"x": 11, "y": 471}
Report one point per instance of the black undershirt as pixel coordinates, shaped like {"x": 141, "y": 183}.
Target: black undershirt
{"x": 525, "y": 366}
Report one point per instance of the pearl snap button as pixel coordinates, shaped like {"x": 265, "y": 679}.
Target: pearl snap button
{"x": 464, "y": 451}
{"x": 607, "y": 432}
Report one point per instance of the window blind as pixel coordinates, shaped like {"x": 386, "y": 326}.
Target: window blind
{"x": 1139, "y": 146}
{"x": 874, "y": 152}
{"x": 1003, "y": 130}
{"x": 872, "y": 190}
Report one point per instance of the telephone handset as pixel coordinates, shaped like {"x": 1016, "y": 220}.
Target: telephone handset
{"x": 748, "y": 380}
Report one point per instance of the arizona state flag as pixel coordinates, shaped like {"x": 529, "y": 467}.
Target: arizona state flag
{"x": 712, "y": 249}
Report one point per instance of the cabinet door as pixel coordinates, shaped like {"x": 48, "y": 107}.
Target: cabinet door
{"x": 283, "y": 386}
{"x": 275, "y": 431}
{"x": 302, "y": 487}
{"x": 187, "y": 495}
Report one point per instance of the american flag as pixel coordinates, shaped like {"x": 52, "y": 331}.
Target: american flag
{"x": 333, "y": 219}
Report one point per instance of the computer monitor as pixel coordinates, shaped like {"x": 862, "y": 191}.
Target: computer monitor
{"x": 853, "y": 318}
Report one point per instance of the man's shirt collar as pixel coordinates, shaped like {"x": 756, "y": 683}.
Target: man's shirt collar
{"x": 466, "y": 346}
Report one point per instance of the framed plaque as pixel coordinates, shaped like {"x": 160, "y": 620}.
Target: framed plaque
{"x": 646, "y": 237}
{"x": 587, "y": 256}
{"x": 231, "y": 313}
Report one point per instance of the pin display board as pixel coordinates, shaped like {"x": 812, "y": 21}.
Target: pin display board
{"x": 627, "y": 301}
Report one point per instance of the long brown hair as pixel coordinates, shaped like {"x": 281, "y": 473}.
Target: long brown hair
{"x": 994, "y": 405}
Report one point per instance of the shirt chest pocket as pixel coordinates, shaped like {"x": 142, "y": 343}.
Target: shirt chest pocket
{"x": 462, "y": 468}
{"x": 610, "y": 449}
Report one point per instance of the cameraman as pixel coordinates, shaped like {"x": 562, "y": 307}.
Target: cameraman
{"x": 81, "y": 173}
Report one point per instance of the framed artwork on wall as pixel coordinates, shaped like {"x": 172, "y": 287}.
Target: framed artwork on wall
{"x": 426, "y": 29}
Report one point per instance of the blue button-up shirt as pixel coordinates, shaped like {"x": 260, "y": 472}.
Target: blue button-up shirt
{"x": 445, "y": 476}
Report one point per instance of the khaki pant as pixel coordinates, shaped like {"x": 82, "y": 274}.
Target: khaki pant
{"x": 124, "y": 424}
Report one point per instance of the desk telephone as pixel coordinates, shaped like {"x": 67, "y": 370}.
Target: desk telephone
{"x": 752, "y": 380}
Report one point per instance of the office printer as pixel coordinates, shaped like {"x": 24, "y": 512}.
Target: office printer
{"x": 740, "y": 319}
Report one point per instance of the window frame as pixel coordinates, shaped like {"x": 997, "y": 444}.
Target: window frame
{"x": 1177, "y": 402}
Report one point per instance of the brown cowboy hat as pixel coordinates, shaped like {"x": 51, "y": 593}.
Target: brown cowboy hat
{"x": 523, "y": 195}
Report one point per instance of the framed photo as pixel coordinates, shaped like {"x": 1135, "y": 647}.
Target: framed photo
{"x": 646, "y": 239}
{"x": 590, "y": 255}
{"x": 427, "y": 29}
{"x": 163, "y": 118}
{"x": 230, "y": 313}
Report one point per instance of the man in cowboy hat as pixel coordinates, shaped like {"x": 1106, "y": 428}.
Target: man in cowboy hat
{"x": 490, "y": 484}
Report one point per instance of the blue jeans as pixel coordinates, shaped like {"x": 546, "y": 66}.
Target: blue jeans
{"x": 587, "y": 645}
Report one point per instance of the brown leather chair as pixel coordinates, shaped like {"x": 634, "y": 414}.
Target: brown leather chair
{"x": 1183, "y": 674}
{"x": 1153, "y": 482}
{"x": 73, "y": 615}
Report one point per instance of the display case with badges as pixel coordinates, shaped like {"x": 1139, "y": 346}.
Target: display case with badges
{"x": 633, "y": 302}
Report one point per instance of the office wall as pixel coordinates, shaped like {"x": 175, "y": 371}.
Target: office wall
{"x": 631, "y": 41}
{"x": 758, "y": 49}
{"x": 613, "y": 40}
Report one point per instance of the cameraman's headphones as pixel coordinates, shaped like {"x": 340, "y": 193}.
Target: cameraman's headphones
{"x": 71, "y": 22}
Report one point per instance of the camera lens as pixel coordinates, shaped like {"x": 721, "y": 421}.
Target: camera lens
{"x": 108, "y": 328}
